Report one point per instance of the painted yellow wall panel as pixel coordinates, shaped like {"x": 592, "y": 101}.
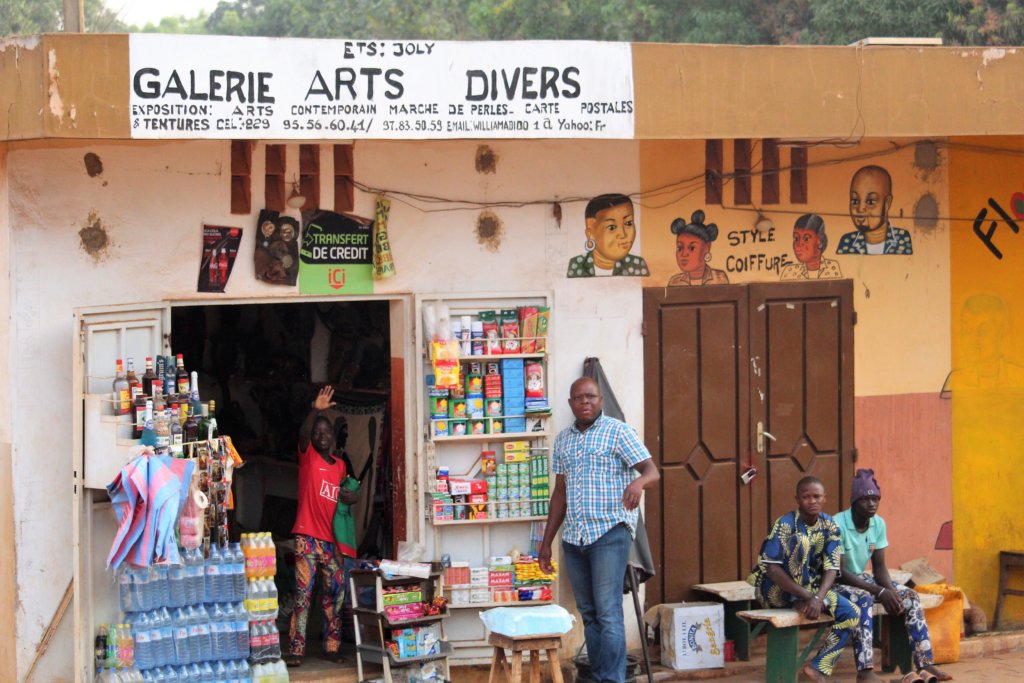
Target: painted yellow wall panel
{"x": 902, "y": 340}
{"x": 987, "y": 316}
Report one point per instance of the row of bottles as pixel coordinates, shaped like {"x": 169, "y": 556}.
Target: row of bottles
{"x": 219, "y": 578}
{"x": 169, "y": 404}
{"x": 114, "y": 646}
{"x": 234, "y": 671}
{"x": 261, "y": 599}
{"x": 264, "y": 642}
{"x": 260, "y": 555}
{"x": 163, "y": 637}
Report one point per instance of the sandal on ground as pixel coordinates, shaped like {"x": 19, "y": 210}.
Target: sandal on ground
{"x": 911, "y": 677}
{"x": 929, "y": 676}
{"x": 292, "y": 661}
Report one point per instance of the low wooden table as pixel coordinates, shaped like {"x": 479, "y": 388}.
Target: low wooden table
{"x": 548, "y": 642}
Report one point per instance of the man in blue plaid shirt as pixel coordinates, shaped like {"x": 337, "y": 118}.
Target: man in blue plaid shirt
{"x": 596, "y": 495}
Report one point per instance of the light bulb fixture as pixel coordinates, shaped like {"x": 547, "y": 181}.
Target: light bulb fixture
{"x": 762, "y": 223}
{"x": 295, "y": 199}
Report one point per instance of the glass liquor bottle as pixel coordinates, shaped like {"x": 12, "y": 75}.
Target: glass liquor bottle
{"x": 122, "y": 392}
{"x": 182, "y": 376}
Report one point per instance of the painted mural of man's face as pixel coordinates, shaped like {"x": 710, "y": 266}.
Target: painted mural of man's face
{"x": 870, "y": 199}
{"x": 613, "y": 232}
{"x": 806, "y": 245}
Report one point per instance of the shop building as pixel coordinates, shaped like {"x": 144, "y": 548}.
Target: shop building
{"x": 904, "y": 361}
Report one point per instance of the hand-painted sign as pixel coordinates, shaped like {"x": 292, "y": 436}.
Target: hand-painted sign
{"x": 233, "y": 87}
{"x": 336, "y": 255}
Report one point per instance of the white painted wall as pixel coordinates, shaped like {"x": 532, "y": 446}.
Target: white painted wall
{"x": 153, "y": 198}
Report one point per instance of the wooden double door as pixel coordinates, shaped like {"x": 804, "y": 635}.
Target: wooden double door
{"x": 740, "y": 379}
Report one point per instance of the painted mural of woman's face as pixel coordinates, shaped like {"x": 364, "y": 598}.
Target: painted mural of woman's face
{"x": 690, "y": 253}
{"x": 806, "y": 245}
{"x": 613, "y": 232}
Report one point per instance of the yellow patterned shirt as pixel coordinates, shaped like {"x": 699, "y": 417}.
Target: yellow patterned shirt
{"x": 805, "y": 552}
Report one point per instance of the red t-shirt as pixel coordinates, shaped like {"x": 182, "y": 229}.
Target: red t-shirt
{"x": 318, "y": 494}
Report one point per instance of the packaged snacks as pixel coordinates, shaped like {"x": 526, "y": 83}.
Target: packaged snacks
{"x": 476, "y": 338}
{"x": 493, "y": 407}
{"x": 510, "y": 331}
{"x": 542, "y": 328}
{"x": 488, "y": 462}
{"x": 528, "y": 328}
{"x": 439, "y": 406}
{"x": 534, "y": 380}
{"x": 457, "y": 408}
{"x": 492, "y": 337}
{"x": 457, "y": 427}
{"x": 446, "y": 374}
{"x": 474, "y": 384}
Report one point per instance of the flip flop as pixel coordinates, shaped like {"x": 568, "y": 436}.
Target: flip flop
{"x": 293, "y": 661}
{"x": 927, "y": 677}
{"x": 911, "y": 677}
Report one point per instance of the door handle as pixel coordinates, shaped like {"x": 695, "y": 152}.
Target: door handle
{"x": 761, "y": 435}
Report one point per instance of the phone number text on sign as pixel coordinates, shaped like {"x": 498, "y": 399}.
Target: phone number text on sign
{"x": 229, "y": 87}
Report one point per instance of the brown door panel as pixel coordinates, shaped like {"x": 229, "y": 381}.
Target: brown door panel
{"x": 801, "y": 339}
{"x": 696, "y": 429}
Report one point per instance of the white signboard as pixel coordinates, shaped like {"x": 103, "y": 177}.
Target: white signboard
{"x": 288, "y": 88}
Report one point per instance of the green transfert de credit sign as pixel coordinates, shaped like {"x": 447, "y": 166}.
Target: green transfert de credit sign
{"x": 336, "y": 256}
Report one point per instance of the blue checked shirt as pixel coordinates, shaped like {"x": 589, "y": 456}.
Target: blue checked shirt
{"x": 598, "y": 466}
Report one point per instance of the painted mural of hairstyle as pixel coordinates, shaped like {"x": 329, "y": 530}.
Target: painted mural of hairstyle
{"x": 696, "y": 227}
{"x": 605, "y": 201}
{"x": 812, "y": 221}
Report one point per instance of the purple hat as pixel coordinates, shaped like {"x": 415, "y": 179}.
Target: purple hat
{"x": 864, "y": 484}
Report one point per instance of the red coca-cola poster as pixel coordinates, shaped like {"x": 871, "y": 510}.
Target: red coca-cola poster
{"x": 220, "y": 249}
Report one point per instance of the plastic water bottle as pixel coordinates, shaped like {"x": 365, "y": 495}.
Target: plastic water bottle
{"x": 205, "y": 640}
{"x": 273, "y": 640}
{"x": 244, "y": 672}
{"x": 167, "y": 625}
{"x": 180, "y": 625}
{"x": 207, "y": 672}
{"x": 163, "y": 581}
{"x": 233, "y": 619}
{"x": 238, "y": 562}
{"x": 143, "y": 649}
{"x": 198, "y": 576}
{"x": 156, "y": 638}
{"x": 195, "y": 674}
{"x": 176, "y": 585}
{"x": 124, "y": 589}
{"x": 241, "y": 630}
{"x": 272, "y": 604}
{"x": 220, "y": 673}
{"x": 212, "y": 593}
{"x": 183, "y": 674}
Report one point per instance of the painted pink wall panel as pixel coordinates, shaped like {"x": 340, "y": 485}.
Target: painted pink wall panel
{"x": 907, "y": 440}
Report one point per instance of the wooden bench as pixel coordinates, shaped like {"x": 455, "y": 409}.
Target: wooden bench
{"x": 784, "y": 657}
{"x": 738, "y": 596}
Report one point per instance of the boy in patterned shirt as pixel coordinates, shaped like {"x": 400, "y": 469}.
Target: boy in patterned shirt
{"x": 797, "y": 567}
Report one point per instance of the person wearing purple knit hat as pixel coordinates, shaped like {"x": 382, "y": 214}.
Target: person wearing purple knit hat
{"x": 864, "y": 539}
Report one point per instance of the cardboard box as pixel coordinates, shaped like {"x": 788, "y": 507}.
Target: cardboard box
{"x": 692, "y": 635}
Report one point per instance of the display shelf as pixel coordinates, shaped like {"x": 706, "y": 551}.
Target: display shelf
{"x": 491, "y": 536}
{"x": 503, "y": 356}
{"x": 401, "y": 623}
{"x": 375, "y": 654}
{"x": 488, "y": 605}
{"x": 468, "y": 522}
{"x": 504, "y": 436}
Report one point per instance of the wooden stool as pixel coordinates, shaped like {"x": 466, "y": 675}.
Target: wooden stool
{"x": 549, "y": 642}
{"x": 1008, "y": 559}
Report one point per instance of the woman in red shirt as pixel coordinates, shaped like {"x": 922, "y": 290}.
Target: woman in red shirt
{"x": 322, "y": 468}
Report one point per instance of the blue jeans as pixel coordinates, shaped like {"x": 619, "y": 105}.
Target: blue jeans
{"x": 596, "y": 572}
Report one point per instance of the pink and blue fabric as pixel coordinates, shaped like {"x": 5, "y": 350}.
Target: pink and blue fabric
{"x": 148, "y": 495}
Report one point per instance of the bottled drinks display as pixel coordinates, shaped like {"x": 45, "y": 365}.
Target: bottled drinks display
{"x": 209, "y": 618}
{"x": 171, "y": 388}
